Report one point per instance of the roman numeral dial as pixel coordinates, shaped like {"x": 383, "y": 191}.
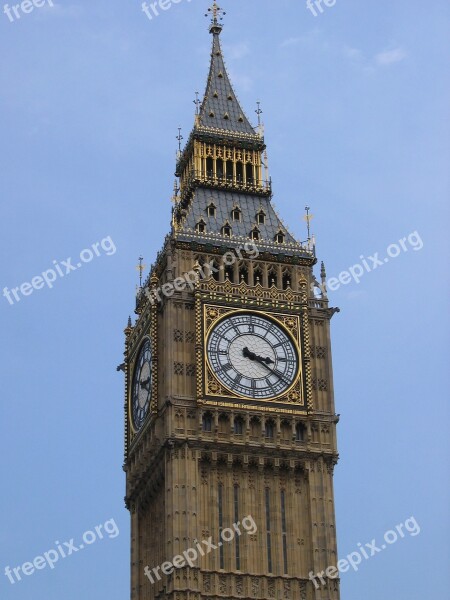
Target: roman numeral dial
{"x": 253, "y": 356}
{"x": 142, "y": 386}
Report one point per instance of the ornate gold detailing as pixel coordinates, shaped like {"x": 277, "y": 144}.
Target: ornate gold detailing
{"x": 154, "y": 281}
{"x": 306, "y": 343}
{"x": 207, "y": 383}
{"x": 257, "y": 295}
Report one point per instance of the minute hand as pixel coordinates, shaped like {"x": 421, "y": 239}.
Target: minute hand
{"x": 277, "y": 373}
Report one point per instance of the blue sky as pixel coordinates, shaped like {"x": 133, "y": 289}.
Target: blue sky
{"x": 356, "y": 112}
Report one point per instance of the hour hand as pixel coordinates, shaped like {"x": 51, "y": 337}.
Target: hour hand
{"x": 252, "y": 356}
{"x": 247, "y": 354}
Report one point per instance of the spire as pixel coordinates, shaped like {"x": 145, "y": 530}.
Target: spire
{"x": 220, "y": 108}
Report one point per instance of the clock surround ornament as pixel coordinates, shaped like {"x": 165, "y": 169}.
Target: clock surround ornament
{"x": 252, "y": 356}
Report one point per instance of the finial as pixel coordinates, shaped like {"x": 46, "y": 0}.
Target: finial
{"x": 154, "y": 280}
{"x": 141, "y": 268}
{"x": 259, "y": 112}
{"x": 323, "y": 277}
{"x": 180, "y": 138}
{"x": 197, "y": 103}
{"x": 308, "y": 217}
{"x": 130, "y": 324}
{"x": 265, "y": 163}
{"x": 217, "y": 15}
{"x": 175, "y": 192}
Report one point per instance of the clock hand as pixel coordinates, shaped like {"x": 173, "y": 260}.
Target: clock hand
{"x": 277, "y": 373}
{"x": 247, "y": 354}
{"x": 265, "y": 363}
{"x": 252, "y": 356}
{"x": 145, "y": 383}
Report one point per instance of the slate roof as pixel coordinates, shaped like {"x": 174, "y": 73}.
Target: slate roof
{"x": 250, "y": 206}
{"x": 220, "y": 108}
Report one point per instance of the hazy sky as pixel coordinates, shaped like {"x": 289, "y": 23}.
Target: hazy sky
{"x": 355, "y": 105}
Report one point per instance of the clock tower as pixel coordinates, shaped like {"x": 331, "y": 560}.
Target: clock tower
{"x": 230, "y": 424}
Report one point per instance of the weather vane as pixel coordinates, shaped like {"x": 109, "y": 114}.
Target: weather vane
{"x": 259, "y": 112}
{"x": 180, "y": 138}
{"x": 141, "y": 268}
{"x": 308, "y": 219}
{"x": 197, "y": 102}
{"x": 217, "y": 14}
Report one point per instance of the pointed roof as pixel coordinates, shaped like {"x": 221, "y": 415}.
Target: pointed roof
{"x": 220, "y": 108}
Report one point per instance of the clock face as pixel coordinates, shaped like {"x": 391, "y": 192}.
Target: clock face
{"x": 253, "y": 356}
{"x": 142, "y": 386}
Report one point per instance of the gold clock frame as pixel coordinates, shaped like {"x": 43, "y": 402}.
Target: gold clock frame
{"x": 212, "y": 388}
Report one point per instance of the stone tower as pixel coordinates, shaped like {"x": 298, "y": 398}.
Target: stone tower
{"x": 230, "y": 424}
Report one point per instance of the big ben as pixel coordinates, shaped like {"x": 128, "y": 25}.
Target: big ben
{"x": 230, "y": 423}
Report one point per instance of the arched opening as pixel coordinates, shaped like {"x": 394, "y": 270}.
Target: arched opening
{"x": 210, "y": 167}
{"x": 229, "y": 168}
{"x": 255, "y": 234}
{"x": 229, "y": 273}
{"x": 238, "y": 426}
{"x": 270, "y": 429}
{"x": 243, "y": 274}
{"x": 207, "y": 422}
{"x": 239, "y": 172}
{"x": 261, "y": 217}
{"x": 219, "y": 168}
{"x": 236, "y": 213}
{"x": 286, "y": 280}
{"x": 273, "y": 278}
{"x": 226, "y": 230}
{"x": 200, "y": 260}
{"x": 300, "y": 431}
{"x": 257, "y": 276}
{"x": 215, "y": 270}
{"x": 201, "y": 226}
{"x": 249, "y": 173}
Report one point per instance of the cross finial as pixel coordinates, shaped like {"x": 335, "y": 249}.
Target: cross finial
{"x": 141, "y": 269}
{"x": 217, "y": 14}
{"x": 180, "y": 138}
{"x": 259, "y": 112}
{"x": 308, "y": 218}
{"x": 197, "y": 102}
